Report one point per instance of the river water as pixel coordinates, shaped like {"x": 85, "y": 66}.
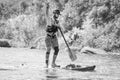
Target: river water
{"x": 32, "y": 67}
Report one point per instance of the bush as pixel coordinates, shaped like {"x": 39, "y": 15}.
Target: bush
{"x": 24, "y": 29}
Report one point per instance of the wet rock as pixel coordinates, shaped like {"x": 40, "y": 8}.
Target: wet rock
{"x": 33, "y": 47}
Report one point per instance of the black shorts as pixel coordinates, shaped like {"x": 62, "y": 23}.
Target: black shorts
{"x": 51, "y": 42}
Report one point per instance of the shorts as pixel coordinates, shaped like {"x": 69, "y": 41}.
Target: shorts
{"x": 51, "y": 42}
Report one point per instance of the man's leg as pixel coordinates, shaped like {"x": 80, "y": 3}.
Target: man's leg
{"x": 55, "y": 46}
{"x": 47, "y": 56}
{"x": 48, "y": 45}
{"x": 56, "y": 50}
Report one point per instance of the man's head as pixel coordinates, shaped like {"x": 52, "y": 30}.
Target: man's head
{"x": 56, "y": 13}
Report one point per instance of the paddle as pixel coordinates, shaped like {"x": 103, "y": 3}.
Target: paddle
{"x": 72, "y": 56}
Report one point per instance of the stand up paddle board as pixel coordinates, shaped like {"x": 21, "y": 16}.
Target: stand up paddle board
{"x": 76, "y": 67}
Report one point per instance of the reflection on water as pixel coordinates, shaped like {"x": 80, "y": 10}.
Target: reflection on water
{"x": 51, "y": 74}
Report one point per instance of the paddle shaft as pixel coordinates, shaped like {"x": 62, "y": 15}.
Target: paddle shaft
{"x": 64, "y": 39}
{"x": 72, "y": 57}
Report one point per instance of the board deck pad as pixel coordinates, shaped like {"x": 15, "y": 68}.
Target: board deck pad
{"x": 79, "y": 67}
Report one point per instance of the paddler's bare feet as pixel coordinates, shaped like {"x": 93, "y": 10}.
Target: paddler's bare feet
{"x": 55, "y": 65}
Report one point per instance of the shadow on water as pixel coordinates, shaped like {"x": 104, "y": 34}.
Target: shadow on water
{"x": 2, "y": 69}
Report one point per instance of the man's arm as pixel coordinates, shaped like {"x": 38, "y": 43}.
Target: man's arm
{"x": 47, "y": 6}
{"x": 58, "y": 26}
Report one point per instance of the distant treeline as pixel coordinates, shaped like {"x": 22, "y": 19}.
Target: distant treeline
{"x": 101, "y": 1}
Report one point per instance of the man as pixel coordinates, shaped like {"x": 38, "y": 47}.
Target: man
{"x": 51, "y": 38}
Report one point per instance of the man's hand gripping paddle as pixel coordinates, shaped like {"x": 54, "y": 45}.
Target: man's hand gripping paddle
{"x": 72, "y": 56}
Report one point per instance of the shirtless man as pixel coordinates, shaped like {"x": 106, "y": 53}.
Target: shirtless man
{"x": 51, "y": 40}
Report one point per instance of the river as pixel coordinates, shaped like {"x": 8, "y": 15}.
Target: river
{"x": 25, "y": 64}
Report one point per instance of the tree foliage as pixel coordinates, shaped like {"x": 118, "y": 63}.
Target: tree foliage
{"x": 94, "y": 23}
{"x": 99, "y": 28}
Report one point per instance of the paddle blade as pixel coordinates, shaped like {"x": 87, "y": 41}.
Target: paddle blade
{"x": 72, "y": 56}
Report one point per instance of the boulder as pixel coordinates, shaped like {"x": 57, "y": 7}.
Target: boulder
{"x": 4, "y": 43}
{"x": 89, "y": 50}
